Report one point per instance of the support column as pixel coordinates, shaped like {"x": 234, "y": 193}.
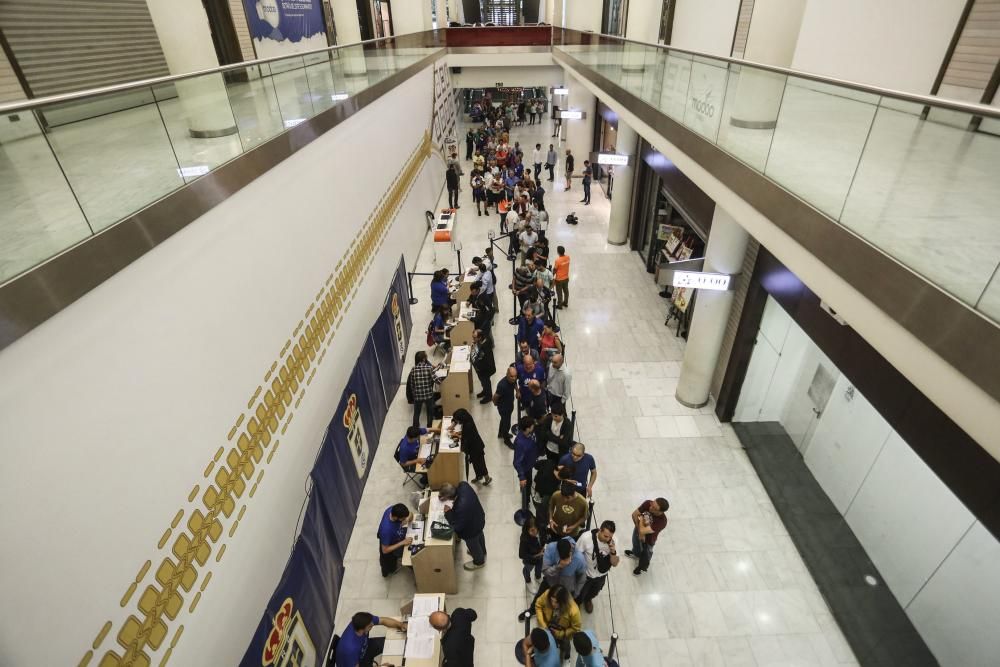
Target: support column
{"x": 351, "y": 60}
{"x": 727, "y": 244}
{"x": 627, "y": 142}
{"x": 643, "y": 24}
{"x": 584, "y": 15}
{"x": 186, "y": 40}
{"x": 579, "y": 134}
{"x": 774, "y": 33}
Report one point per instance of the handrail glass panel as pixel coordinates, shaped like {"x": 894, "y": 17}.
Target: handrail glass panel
{"x": 916, "y": 180}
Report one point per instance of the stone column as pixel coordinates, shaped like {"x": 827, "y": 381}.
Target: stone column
{"x": 579, "y": 134}
{"x": 621, "y": 195}
{"x": 727, "y": 244}
{"x": 774, "y": 32}
{"x": 584, "y": 15}
{"x": 351, "y": 61}
{"x": 182, "y": 28}
{"x": 643, "y": 23}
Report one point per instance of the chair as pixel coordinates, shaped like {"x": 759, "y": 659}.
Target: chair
{"x": 410, "y": 472}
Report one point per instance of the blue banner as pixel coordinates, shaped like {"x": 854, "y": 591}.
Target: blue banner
{"x": 285, "y": 20}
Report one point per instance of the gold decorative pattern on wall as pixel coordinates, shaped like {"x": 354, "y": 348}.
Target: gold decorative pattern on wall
{"x": 195, "y": 534}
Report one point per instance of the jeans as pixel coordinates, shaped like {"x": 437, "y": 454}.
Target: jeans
{"x": 586, "y": 193}
{"x": 551, "y": 168}
{"x": 477, "y": 547}
{"x": 529, "y": 565}
{"x": 562, "y": 292}
{"x": 538, "y": 171}
{"x": 417, "y": 405}
{"x": 642, "y": 550}
{"x": 452, "y": 198}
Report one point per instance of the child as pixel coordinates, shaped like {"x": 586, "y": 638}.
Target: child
{"x": 531, "y": 550}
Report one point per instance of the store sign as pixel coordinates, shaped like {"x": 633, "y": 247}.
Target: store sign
{"x": 613, "y": 159}
{"x": 718, "y": 282}
{"x": 571, "y": 114}
{"x": 560, "y": 90}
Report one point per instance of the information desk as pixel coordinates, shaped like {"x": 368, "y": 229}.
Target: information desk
{"x": 432, "y": 559}
{"x": 456, "y": 380}
{"x": 420, "y": 645}
{"x": 446, "y": 466}
{"x": 464, "y": 290}
{"x": 461, "y": 333}
{"x": 444, "y": 230}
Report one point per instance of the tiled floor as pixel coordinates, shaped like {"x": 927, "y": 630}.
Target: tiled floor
{"x": 873, "y": 620}
{"x": 726, "y": 586}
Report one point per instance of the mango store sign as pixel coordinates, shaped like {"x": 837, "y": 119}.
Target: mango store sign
{"x": 719, "y": 282}
{"x": 613, "y": 159}
{"x": 571, "y": 114}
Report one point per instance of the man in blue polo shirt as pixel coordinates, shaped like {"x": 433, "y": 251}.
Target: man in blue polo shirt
{"x": 588, "y": 650}
{"x": 409, "y": 452}
{"x": 525, "y": 454}
{"x": 529, "y": 369}
{"x": 529, "y": 328}
{"x": 539, "y": 649}
{"x": 585, "y": 465}
{"x": 356, "y": 648}
{"x": 392, "y": 538}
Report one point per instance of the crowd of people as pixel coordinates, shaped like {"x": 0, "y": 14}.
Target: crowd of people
{"x": 566, "y": 553}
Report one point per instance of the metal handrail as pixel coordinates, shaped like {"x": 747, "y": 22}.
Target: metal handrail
{"x": 973, "y": 108}
{"x": 35, "y": 102}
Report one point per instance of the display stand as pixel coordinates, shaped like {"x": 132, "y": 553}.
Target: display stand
{"x": 398, "y": 639}
{"x": 444, "y": 229}
{"x": 456, "y": 387}
{"x": 432, "y": 559}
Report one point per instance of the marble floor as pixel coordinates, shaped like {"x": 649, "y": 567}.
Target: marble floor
{"x": 726, "y": 586}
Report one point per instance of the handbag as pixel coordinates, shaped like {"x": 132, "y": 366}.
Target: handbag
{"x": 441, "y": 530}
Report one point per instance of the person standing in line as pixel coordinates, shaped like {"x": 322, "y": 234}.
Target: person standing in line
{"x": 538, "y": 649}
{"x": 570, "y": 160}
{"x": 392, "y": 538}
{"x": 421, "y": 382}
{"x": 559, "y": 381}
{"x": 504, "y": 398}
{"x": 478, "y": 184}
{"x": 530, "y": 550}
{"x": 356, "y": 647}
{"x": 536, "y": 158}
{"x": 567, "y": 511}
{"x": 561, "y": 266}
{"x": 464, "y": 429}
{"x": 550, "y": 162}
{"x": 601, "y": 554}
{"x": 586, "y": 183}
{"x": 470, "y": 140}
{"x": 458, "y": 646}
{"x": 483, "y": 363}
{"x": 525, "y": 454}
{"x": 555, "y": 435}
{"x": 588, "y": 650}
{"x": 467, "y": 518}
{"x": 584, "y": 466}
{"x": 451, "y": 178}
{"x": 649, "y": 519}
{"x": 556, "y": 611}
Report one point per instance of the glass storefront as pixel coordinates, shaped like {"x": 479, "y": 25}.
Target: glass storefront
{"x": 474, "y": 97}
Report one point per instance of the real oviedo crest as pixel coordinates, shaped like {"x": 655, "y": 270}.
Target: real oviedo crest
{"x": 288, "y": 644}
{"x": 356, "y": 440}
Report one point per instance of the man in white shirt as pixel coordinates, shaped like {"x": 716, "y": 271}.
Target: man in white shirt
{"x": 601, "y": 554}
{"x": 536, "y": 158}
{"x": 528, "y": 238}
{"x": 559, "y": 380}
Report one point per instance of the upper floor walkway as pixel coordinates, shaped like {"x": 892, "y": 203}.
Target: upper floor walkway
{"x": 896, "y": 193}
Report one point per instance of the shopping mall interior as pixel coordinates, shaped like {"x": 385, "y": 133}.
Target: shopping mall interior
{"x": 634, "y": 333}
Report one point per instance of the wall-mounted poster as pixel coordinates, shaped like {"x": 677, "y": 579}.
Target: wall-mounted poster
{"x": 281, "y": 27}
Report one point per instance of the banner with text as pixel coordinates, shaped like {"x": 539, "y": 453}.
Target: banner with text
{"x": 281, "y": 27}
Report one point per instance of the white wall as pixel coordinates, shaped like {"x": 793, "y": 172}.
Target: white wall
{"x": 584, "y": 15}
{"x": 149, "y": 372}
{"x": 896, "y": 44}
{"x": 414, "y": 16}
{"x": 705, "y": 25}
{"x": 644, "y": 17}
{"x": 941, "y": 565}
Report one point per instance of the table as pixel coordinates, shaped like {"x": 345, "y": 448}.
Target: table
{"x": 461, "y": 333}
{"x": 396, "y": 635}
{"x": 446, "y": 468}
{"x": 433, "y": 562}
{"x": 456, "y": 384}
{"x": 444, "y": 228}
{"x": 464, "y": 290}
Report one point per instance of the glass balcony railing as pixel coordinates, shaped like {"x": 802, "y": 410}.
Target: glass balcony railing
{"x": 917, "y": 177}
{"x": 73, "y": 165}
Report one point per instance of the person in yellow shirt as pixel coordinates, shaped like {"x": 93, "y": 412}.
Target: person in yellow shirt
{"x": 556, "y": 612}
{"x": 561, "y": 266}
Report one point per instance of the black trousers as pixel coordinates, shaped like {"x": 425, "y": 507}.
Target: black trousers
{"x": 505, "y": 414}
{"x": 478, "y": 462}
{"x": 468, "y": 150}
{"x": 552, "y": 174}
{"x": 389, "y": 562}
{"x": 485, "y": 380}
{"x": 591, "y": 588}
{"x": 452, "y": 198}
{"x": 376, "y": 645}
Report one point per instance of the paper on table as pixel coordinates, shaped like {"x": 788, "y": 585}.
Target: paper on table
{"x": 460, "y": 366}
{"x": 423, "y": 607}
{"x": 419, "y": 649}
{"x": 394, "y": 647}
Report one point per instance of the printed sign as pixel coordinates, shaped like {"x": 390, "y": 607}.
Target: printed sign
{"x": 571, "y": 114}
{"x": 279, "y": 27}
{"x": 718, "y": 282}
{"x": 613, "y": 159}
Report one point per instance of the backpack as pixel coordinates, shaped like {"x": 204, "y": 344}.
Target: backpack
{"x": 409, "y": 389}
{"x": 603, "y": 562}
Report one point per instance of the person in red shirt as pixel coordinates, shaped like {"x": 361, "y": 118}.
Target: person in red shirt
{"x": 649, "y": 519}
